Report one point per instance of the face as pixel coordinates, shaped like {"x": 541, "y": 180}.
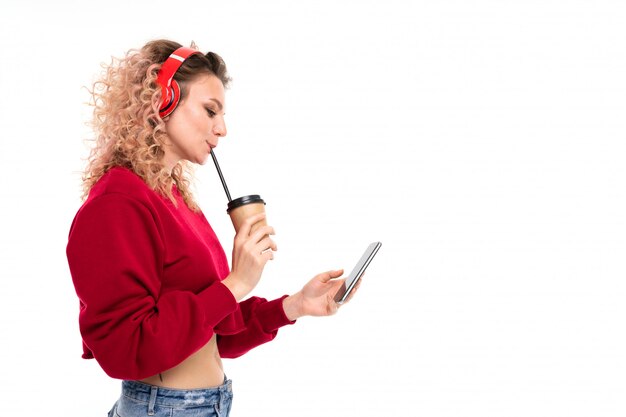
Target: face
{"x": 196, "y": 125}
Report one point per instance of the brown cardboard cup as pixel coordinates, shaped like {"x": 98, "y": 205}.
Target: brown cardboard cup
{"x": 243, "y": 207}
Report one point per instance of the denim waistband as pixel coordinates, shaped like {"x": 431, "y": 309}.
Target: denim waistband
{"x": 179, "y": 398}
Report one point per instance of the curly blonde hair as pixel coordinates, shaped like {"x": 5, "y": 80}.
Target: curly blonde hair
{"x": 129, "y": 131}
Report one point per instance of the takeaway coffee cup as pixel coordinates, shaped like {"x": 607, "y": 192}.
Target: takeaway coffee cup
{"x": 243, "y": 207}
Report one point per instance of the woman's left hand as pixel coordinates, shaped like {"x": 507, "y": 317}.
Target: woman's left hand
{"x": 316, "y": 298}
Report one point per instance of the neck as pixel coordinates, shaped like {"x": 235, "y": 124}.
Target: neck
{"x": 169, "y": 167}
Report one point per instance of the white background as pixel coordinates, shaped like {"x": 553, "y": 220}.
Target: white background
{"x": 480, "y": 141}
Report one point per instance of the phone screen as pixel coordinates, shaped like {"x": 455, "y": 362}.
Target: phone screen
{"x": 356, "y": 273}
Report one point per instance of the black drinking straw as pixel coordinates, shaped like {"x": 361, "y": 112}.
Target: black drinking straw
{"x": 219, "y": 171}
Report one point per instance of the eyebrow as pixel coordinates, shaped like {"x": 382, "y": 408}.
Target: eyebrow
{"x": 219, "y": 103}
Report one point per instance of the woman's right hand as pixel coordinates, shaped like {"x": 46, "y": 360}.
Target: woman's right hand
{"x": 251, "y": 251}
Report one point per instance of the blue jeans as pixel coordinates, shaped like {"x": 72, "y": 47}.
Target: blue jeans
{"x": 139, "y": 399}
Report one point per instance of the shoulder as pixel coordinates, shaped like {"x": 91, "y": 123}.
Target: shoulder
{"x": 119, "y": 199}
{"x": 119, "y": 180}
{"x": 119, "y": 193}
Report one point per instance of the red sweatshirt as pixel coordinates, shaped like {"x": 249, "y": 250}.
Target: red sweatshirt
{"x": 148, "y": 277}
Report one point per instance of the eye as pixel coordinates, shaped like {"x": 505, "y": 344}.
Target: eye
{"x": 211, "y": 112}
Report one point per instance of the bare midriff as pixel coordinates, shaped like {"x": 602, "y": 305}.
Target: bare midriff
{"x": 203, "y": 369}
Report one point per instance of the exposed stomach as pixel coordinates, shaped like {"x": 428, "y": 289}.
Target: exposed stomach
{"x": 203, "y": 369}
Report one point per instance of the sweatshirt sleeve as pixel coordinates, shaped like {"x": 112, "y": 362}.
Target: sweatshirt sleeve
{"x": 115, "y": 253}
{"x": 262, "y": 320}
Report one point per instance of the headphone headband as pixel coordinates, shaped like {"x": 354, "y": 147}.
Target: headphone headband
{"x": 170, "y": 91}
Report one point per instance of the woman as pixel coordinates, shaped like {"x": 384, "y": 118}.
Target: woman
{"x": 159, "y": 305}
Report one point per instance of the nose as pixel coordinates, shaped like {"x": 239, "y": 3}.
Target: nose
{"x": 219, "y": 128}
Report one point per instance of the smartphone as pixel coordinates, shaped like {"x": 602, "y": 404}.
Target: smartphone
{"x": 356, "y": 273}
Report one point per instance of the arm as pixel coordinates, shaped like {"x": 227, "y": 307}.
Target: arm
{"x": 263, "y": 319}
{"x": 115, "y": 252}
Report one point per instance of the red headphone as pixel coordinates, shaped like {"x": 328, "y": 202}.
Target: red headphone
{"x": 170, "y": 90}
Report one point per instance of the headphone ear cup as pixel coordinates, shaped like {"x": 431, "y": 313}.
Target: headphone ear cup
{"x": 171, "y": 100}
